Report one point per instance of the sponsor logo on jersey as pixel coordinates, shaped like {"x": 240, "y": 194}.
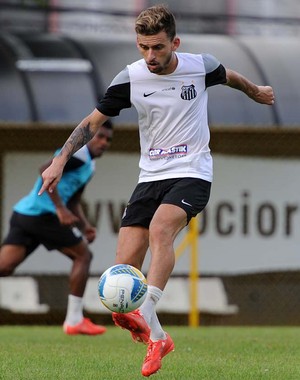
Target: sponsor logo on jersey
{"x": 173, "y": 152}
{"x": 149, "y": 94}
{"x": 188, "y": 92}
{"x": 172, "y": 88}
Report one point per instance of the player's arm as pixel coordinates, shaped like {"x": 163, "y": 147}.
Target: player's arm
{"x": 116, "y": 98}
{"x": 260, "y": 94}
{"x": 83, "y": 224}
{"x": 216, "y": 73}
{"x": 79, "y": 137}
{"x": 65, "y": 216}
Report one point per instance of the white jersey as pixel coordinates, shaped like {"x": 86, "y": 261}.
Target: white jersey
{"x": 172, "y": 111}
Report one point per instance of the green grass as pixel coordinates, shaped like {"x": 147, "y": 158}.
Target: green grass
{"x": 205, "y": 353}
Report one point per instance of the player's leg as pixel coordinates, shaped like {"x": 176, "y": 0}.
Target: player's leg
{"x": 185, "y": 199}
{"x": 16, "y": 246}
{"x": 81, "y": 257}
{"x": 10, "y": 257}
{"x": 133, "y": 242}
{"x": 132, "y": 246}
{"x": 69, "y": 241}
{"x": 167, "y": 222}
{"x": 131, "y": 249}
{"x": 75, "y": 323}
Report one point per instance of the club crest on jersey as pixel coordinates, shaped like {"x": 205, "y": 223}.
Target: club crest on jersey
{"x": 188, "y": 92}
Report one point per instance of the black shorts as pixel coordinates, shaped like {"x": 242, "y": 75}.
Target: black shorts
{"x": 31, "y": 231}
{"x": 191, "y": 194}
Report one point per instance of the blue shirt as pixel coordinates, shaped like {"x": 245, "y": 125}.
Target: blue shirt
{"x": 77, "y": 173}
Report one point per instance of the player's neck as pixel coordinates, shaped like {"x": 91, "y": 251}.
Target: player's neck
{"x": 172, "y": 64}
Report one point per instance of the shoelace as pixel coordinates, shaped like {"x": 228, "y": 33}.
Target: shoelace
{"x": 151, "y": 349}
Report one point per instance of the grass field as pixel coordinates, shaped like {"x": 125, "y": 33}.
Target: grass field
{"x": 210, "y": 353}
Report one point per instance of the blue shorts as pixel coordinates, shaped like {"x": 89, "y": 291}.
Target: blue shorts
{"x": 190, "y": 194}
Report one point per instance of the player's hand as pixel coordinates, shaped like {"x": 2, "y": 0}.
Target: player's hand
{"x": 264, "y": 95}
{"x": 51, "y": 176}
{"x": 90, "y": 234}
{"x": 66, "y": 217}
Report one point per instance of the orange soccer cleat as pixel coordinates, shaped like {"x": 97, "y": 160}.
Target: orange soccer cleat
{"x": 135, "y": 323}
{"x": 85, "y": 327}
{"x": 155, "y": 352}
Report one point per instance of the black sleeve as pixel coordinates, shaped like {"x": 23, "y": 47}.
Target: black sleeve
{"x": 116, "y": 98}
{"x": 218, "y": 76}
{"x": 72, "y": 164}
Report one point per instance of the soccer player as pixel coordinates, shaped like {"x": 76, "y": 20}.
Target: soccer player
{"x": 57, "y": 221}
{"x": 169, "y": 91}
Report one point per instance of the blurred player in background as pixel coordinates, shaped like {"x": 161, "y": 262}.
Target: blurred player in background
{"x": 169, "y": 91}
{"x": 57, "y": 221}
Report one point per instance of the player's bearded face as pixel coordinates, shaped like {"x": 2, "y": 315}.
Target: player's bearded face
{"x": 158, "y": 52}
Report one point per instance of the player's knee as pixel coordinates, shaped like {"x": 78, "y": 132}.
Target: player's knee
{"x": 134, "y": 257}
{"x": 79, "y": 254}
{"x": 87, "y": 256}
{"x": 158, "y": 233}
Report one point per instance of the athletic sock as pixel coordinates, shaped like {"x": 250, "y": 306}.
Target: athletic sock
{"x": 74, "y": 310}
{"x": 148, "y": 310}
{"x": 157, "y": 332}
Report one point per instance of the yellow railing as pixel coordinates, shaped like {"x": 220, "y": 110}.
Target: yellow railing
{"x": 191, "y": 240}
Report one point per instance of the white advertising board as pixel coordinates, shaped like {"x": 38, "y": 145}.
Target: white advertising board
{"x": 250, "y": 225}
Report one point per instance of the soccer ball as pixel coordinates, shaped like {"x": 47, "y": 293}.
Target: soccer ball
{"x": 122, "y": 288}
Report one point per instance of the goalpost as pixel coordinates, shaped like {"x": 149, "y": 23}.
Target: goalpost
{"x": 191, "y": 240}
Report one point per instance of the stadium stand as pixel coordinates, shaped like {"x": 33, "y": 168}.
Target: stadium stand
{"x": 21, "y": 295}
{"x": 236, "y": 108}
{"x": 62, "y": 77}
{"x": 108, "y": 57}
{"x": 55, "y": 77}
{"x": 278, "y": 57}
{"x": 15, "y": 104}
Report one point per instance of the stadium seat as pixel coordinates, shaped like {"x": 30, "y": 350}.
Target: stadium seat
{"x": 212, "y": 297}
{"x": 21, "y": 295}
{"x": 91, "y": 299}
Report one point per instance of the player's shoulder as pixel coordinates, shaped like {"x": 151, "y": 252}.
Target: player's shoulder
{"x": 208, "y": 61}
{"x": 124, "y": 75}
{"x": 82, "y": 154}
{"x": 137, "y": 65}
{"x": 79, "y": 158}
{"x": 205, "y": 57}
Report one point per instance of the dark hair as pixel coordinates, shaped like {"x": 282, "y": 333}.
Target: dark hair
{"x": 107, "y": 124}
{"x": 154, "y": 20}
